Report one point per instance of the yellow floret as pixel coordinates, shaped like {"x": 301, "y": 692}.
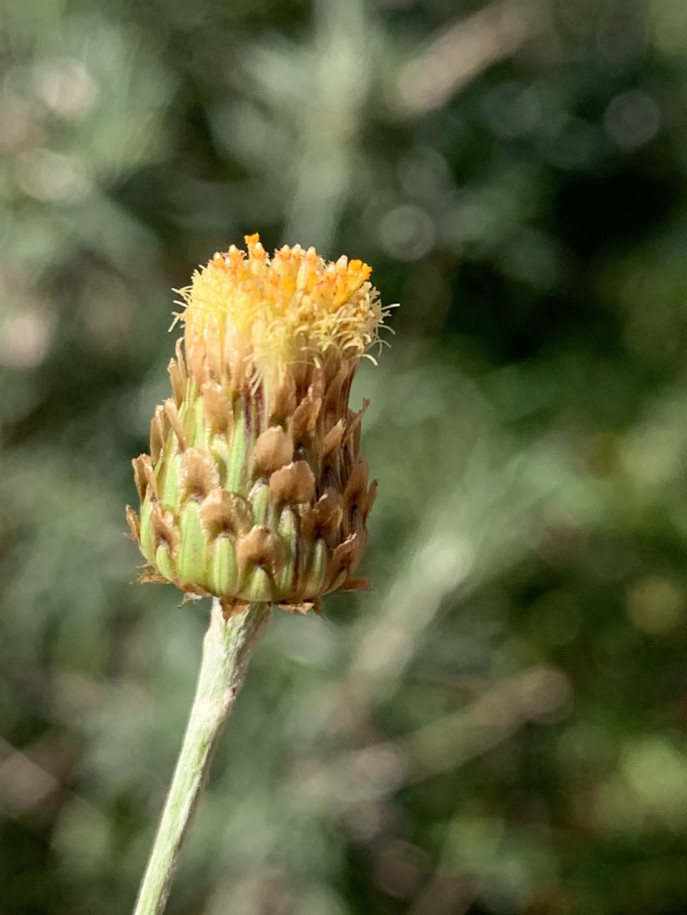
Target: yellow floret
{"x": 283, "y": 309}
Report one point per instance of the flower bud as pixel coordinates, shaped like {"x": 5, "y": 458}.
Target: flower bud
{"x": 253, "y": 489}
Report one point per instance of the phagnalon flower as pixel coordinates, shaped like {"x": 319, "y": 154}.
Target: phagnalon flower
{"x": 254, "y": 489}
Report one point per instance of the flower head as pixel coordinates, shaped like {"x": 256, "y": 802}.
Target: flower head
{"x": 253, "y": 489}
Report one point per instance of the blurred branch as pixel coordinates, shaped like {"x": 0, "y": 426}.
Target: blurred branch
{"x": 455, "y": 739}
{"x": 446, "y": 893}
{"x": 330, "y": 121}
{"x": 461, "y": 52}
{"x": 24, "y": 784}
{"x": 479, "y": 526}
{"x": 444, "y": 745}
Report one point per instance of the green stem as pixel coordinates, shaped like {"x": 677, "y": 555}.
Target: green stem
{"x": 227, "y": 648}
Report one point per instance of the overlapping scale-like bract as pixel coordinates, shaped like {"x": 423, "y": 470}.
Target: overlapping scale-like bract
{"x": 254, "y": 489}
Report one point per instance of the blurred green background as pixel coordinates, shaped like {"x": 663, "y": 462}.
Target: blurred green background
{"x": 501, "y": 727}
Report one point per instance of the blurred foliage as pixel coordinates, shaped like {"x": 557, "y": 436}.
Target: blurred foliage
{"x": 502, "y": 727}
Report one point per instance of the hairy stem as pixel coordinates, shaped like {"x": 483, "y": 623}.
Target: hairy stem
{"x": 227, "y": 648}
